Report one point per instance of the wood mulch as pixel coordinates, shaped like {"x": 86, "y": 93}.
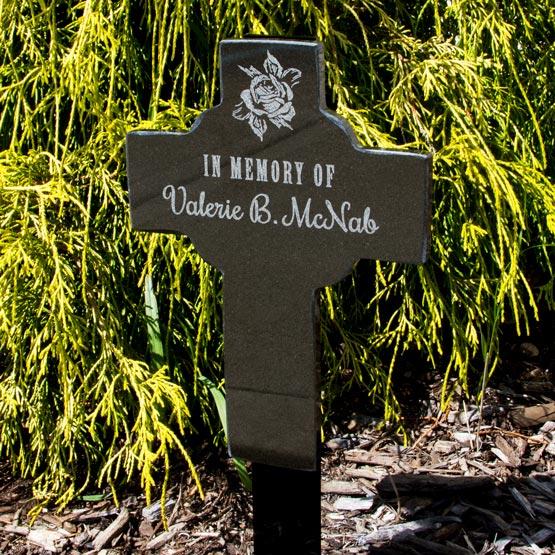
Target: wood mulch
{"x": 473, "y": 480}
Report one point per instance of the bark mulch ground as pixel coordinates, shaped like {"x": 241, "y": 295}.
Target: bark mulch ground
{"x": 477, "y": 479}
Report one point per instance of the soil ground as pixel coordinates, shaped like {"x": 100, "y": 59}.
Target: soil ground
{"x": 475, "y": 479}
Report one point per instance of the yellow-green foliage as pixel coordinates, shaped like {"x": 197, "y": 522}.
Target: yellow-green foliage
{"x": 95, "y": 388}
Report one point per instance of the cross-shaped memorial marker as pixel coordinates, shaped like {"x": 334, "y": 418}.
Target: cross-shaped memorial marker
{"x": 275, "y": 191}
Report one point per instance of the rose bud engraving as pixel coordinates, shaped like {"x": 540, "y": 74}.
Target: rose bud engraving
{"x": 269, "y": 96}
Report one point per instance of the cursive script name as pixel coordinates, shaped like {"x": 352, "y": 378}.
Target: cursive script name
{"x": 180, "y": 203}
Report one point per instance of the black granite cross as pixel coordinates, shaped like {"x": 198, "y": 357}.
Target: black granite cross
{"x": 275, "y": 191}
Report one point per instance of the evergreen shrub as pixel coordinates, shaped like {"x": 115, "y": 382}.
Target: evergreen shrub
{"x": 100, "y": 385}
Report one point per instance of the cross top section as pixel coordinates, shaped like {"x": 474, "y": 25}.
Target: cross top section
{"x": 271, "y": 169}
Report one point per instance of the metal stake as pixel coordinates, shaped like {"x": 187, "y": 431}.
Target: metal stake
{"x": 286, "y": 506}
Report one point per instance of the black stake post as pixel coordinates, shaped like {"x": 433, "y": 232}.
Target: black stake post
{"x": 286, "y": 506}
{"x": 274, "y": 190}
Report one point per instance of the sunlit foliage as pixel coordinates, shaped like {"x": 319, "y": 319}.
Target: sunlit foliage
{"x": 96, "y": 389}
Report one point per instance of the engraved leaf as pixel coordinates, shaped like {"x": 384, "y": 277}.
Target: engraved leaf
{"x": 293, "y": 75}
{"x": 272, "y": 65}
{"x": 251, "y": 71}
{"x": 240, "y": 112}
{"x": 259, "y": 126}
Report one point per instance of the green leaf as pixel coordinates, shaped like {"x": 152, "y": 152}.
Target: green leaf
{"x": 94, "y": 497}
{"x": 244, "y": 476}
{"x": 155, "y": 344}
{"x": 219, "y": 399}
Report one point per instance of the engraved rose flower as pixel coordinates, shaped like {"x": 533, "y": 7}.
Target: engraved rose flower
{"x": 269, "y": 96}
